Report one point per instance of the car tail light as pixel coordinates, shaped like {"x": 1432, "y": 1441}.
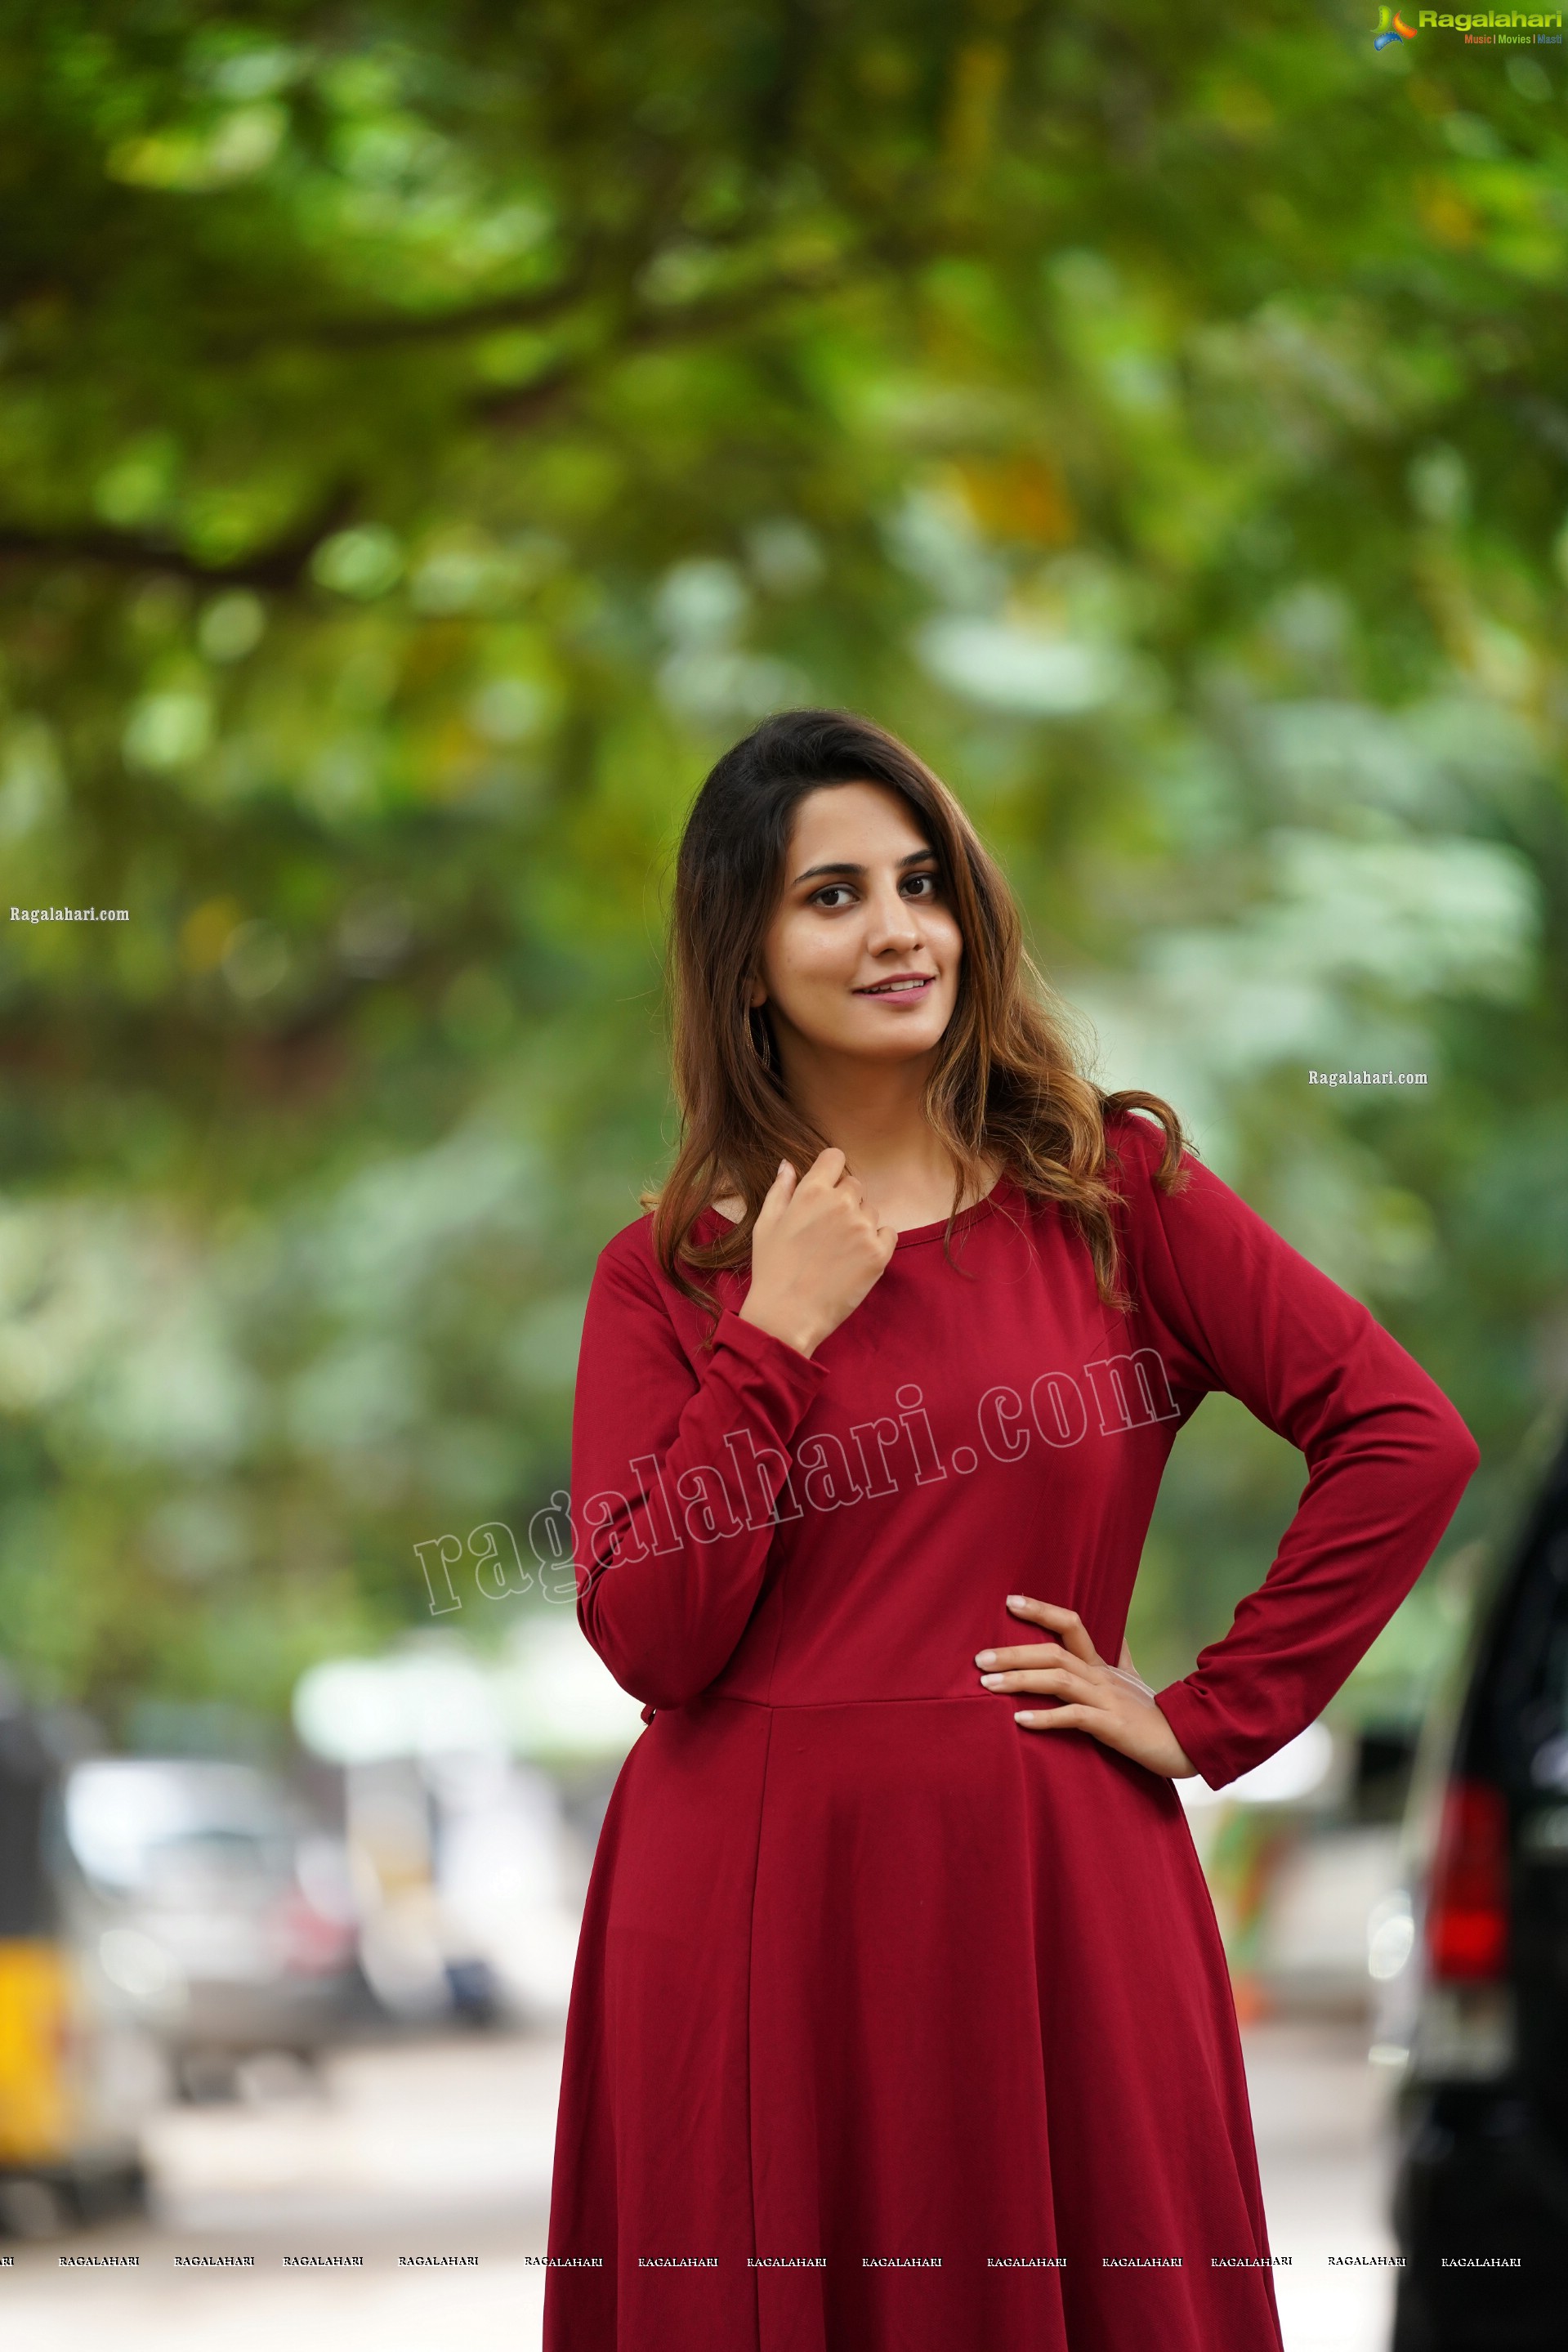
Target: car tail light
{"x": 1467, "y": 1906}
{"x": 311, "y": 1943}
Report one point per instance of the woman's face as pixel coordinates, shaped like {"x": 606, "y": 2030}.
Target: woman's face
{"x": 862, "y": 952}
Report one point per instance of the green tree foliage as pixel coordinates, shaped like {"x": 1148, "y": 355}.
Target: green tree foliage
{"x": 426, "y": 436}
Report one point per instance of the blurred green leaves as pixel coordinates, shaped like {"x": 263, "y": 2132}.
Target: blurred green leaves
{"x": 426, "y": 439}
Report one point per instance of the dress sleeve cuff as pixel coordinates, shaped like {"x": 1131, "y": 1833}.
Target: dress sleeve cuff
{"x": 804, "y": 1374}
{"x": 1202, "y": 1741}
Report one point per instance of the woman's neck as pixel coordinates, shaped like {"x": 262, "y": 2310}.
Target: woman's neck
{"x": 899, "y": 1199}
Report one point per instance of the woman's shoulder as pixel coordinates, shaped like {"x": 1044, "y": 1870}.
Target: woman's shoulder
{"x": 630, "y": 1287}
{"x": 630, "y": 1254}
{"x": 1135, "y": 1146}
{"x": 1154, "y": 1201}
{"x": 1189, "y": 1214}
{"x": 631, "y": 1258}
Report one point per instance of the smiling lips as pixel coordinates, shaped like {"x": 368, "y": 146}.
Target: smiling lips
{"x": 903, "y": 988}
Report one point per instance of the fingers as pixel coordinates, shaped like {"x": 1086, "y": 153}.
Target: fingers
{"x": 826, "y": 1169}
{"x": 778, "y": 1194}
{"x": 1104, "y": 1705}
{"x": 1065, "y": 1623}
{"x": 849, "y": 1188}
{"x": 1027, "y": 1653}
{"x": 829, "y": 1172}
{"x": 1057, "y": 1718}
{"x": 1066, "y": 1677}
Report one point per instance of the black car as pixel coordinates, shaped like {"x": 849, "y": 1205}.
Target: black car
{"x": 1475, "y": 1991}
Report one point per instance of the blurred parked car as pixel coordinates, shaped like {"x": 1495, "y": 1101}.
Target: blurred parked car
{"x": 1472, "y": 1956}
{"x": 71, "y": 2089}
{"x": 465, "y": 1863}
{"x": 1298, "y": 1853}
{"x": 210, "y": 1910}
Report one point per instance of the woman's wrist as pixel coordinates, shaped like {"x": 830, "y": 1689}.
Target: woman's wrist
{"x": 781, "y": 1320}
{"x": 1182, "y": 1767}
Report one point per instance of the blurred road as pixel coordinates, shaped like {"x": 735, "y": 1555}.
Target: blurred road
{"x": 1317, "y": 2108}
{"x": 439, "y": 2148}
{"x": 444, "y": 2148}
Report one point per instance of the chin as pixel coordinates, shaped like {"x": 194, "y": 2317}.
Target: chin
{"x": 901, "y": 1044}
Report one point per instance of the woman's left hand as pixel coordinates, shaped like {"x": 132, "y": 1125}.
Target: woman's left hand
{"x": 1091, "y": 1696}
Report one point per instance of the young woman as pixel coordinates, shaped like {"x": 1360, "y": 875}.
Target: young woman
{"x": 901, "y": 2021}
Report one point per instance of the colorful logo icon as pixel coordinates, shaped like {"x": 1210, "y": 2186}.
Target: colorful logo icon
{"x": 1391, "y": 26}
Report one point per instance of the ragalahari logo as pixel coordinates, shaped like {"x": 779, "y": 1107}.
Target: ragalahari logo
{"x": 1391, "y": 26}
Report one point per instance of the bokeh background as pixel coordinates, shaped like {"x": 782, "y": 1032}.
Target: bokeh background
{"x": 429, "y": 436}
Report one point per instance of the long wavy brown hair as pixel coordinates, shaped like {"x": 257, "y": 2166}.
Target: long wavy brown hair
{"x": 1006, "y": 1085}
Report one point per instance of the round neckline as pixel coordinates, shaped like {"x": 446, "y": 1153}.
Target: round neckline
{"x": 912, "y": 1234}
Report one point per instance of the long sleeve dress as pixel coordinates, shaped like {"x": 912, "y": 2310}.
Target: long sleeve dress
{"x": 896, "y": 2028}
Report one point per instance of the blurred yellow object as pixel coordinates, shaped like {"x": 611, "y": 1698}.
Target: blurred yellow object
{"x": 36, "y": 2104}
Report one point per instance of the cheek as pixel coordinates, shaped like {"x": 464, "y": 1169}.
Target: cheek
{"x": 946, "y": 938}
{"x": 802, "y": 953}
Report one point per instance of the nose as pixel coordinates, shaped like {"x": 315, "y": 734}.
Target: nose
{"x": 892, "y": 923}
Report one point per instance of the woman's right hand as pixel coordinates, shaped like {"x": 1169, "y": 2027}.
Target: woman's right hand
{"x": 816, "y": 1250}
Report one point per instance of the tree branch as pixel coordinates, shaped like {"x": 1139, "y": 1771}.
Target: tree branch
{"x": 374, "y": 330}
{"x": 281, "y": 565}
{"x": 530, "y": 402}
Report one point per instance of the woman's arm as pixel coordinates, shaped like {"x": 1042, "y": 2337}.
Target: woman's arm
{"x": 1388, "y": 1454}
{"x": 674, "y": 1477}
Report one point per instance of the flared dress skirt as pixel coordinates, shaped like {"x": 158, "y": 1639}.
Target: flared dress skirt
{"x": 901, "y": 2030}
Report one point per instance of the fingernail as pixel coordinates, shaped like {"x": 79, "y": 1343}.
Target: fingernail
{"x": 993, "y": 1682}
{"x": 985, "y": 1657}
{"x": 1015, "y": 1600}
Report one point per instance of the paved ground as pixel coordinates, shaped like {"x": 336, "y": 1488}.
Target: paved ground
{"x": 1317, "y": 2108}
{"x": 445, "y": 2149}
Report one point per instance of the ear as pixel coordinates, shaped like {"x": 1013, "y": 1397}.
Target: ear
{"x": 759, "y": 996}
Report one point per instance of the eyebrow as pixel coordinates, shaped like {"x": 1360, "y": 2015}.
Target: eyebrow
{"x": 844, "y": 866}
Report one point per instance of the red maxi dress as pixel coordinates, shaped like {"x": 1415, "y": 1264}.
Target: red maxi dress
{"x": 895, "y": 2028}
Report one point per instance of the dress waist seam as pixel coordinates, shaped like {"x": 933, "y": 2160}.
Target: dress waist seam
{"x": 820, "y": 1706}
